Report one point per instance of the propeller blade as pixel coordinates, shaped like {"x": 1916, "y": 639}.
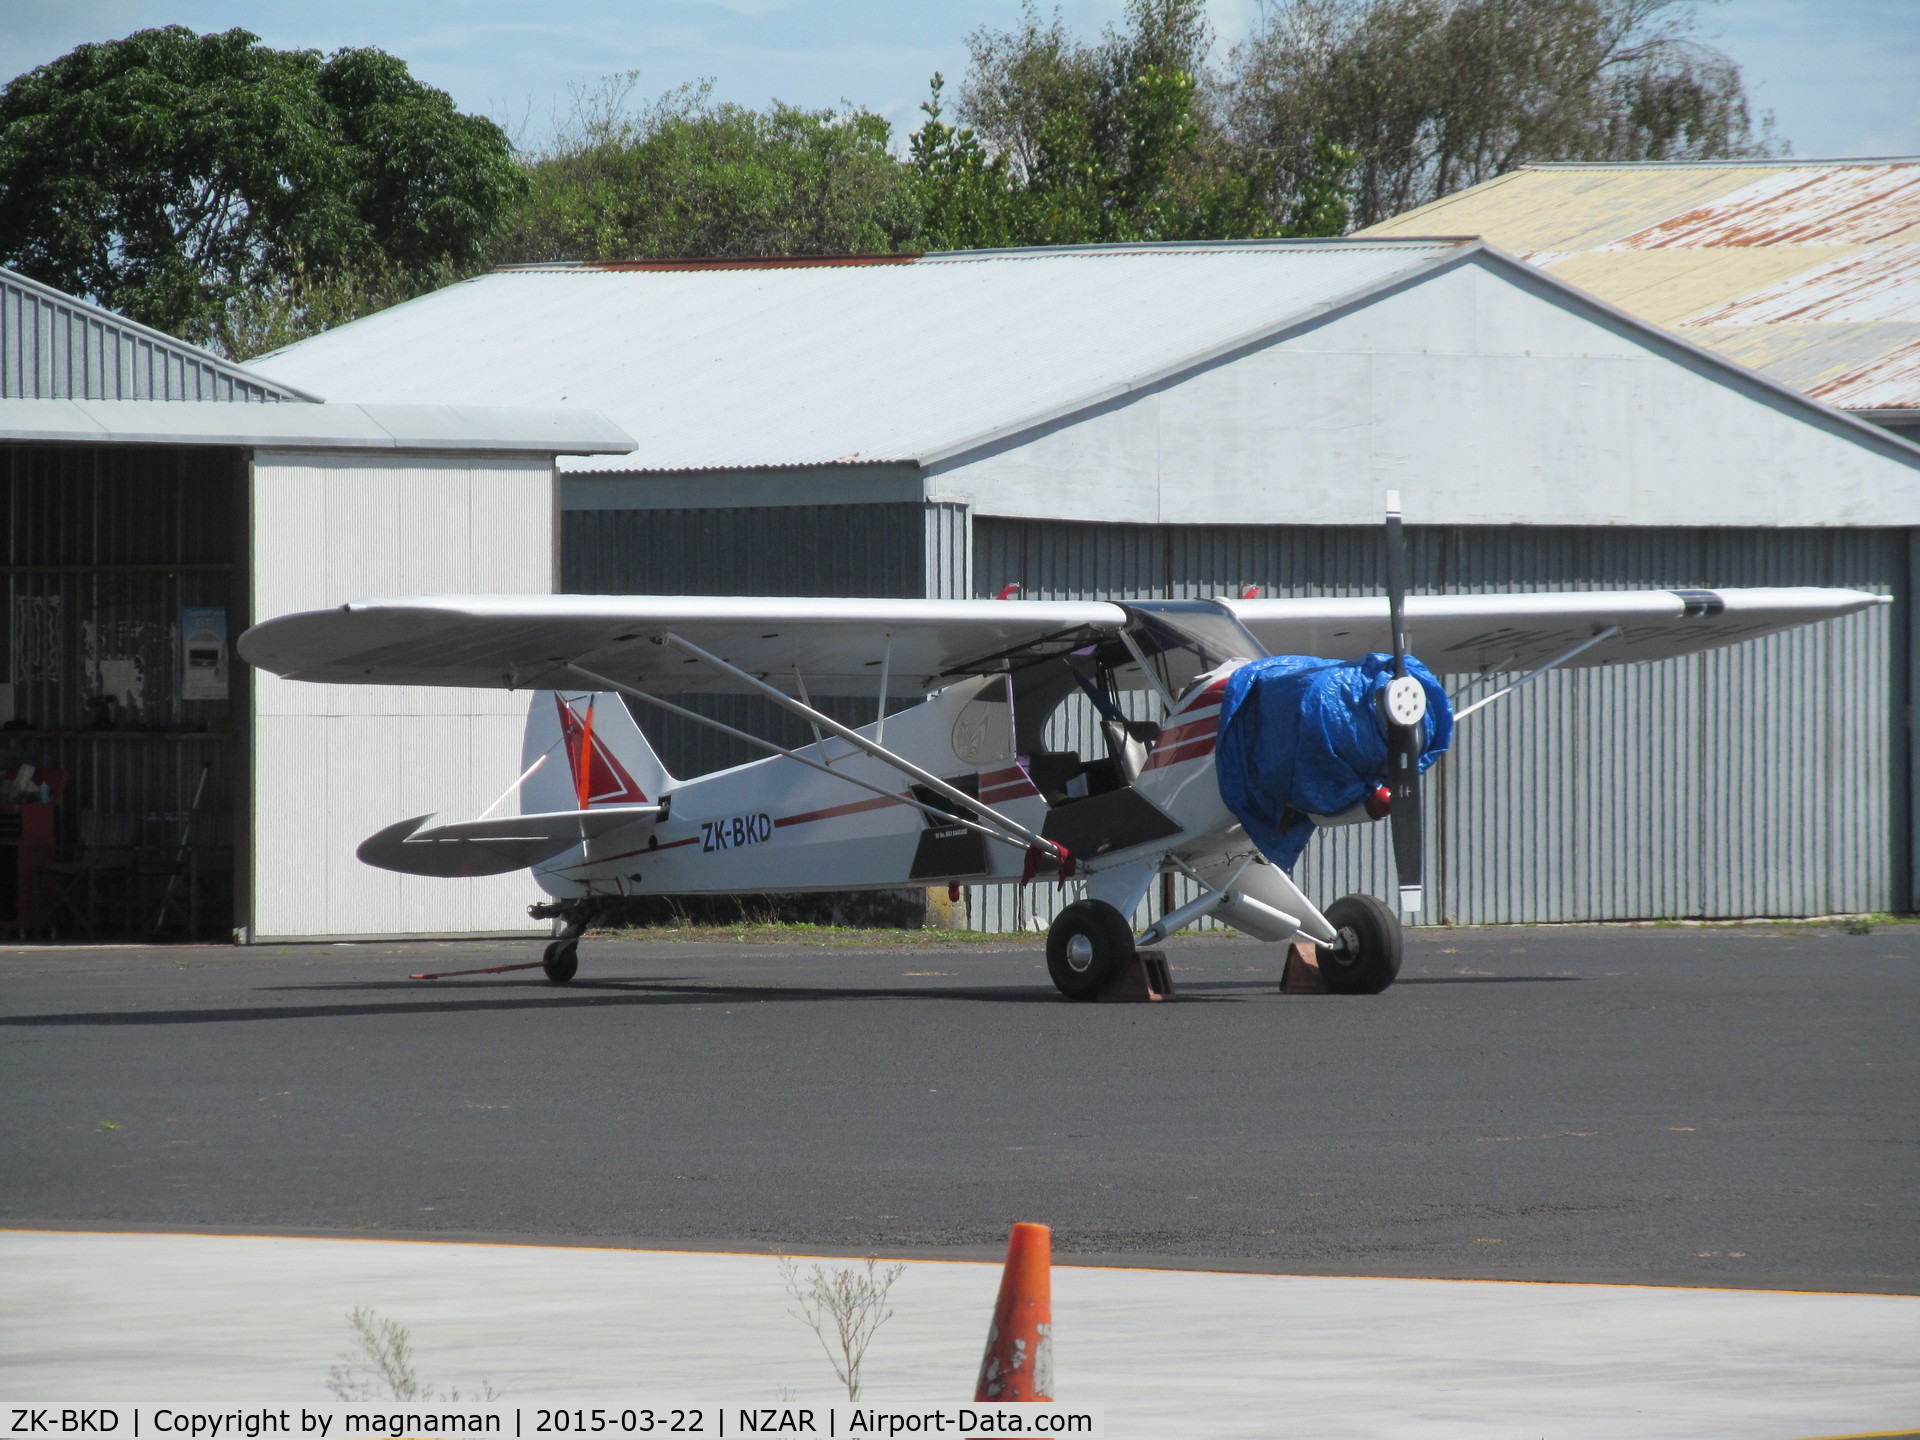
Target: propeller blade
{"x": 1403, "y": 706}
{"x": 1397, "y": 583}
{"x": 1403, "y": 760}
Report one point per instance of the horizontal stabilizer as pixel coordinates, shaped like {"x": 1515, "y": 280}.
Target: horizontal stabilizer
{"x": 493, "y": 846}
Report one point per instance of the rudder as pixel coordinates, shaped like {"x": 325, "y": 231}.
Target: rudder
{"x": 589, "y": 752}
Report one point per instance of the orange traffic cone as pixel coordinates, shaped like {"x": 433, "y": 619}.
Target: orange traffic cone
{"x": 1018, "y": 1364}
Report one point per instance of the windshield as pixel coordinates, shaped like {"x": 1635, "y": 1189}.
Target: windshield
{"x": 1184, "y": 639}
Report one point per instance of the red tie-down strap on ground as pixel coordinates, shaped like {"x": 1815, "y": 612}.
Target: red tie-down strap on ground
{"x": 1048, "y": 852}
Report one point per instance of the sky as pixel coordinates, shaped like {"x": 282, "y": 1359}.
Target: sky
{"x": 1842, "y": 77}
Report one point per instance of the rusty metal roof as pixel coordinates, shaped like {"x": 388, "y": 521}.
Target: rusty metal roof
{"x": 1808, "y": 271}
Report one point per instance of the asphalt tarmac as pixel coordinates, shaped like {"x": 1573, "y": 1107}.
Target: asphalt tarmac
{"x": 1672, "y": 1105}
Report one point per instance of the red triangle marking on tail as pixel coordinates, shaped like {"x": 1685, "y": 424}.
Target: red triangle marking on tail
{"x": 606, "y": 779}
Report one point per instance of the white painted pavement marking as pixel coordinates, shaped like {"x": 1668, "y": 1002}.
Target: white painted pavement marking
{"x": 244, "y": 1319}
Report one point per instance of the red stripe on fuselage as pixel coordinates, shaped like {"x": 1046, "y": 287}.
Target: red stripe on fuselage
{"x": 1006, "y": 784}
{"x": 853, "y": 807}
{"x": 1218, "y": 687}
{"x": 1189, "y": 730}
{"x": 1176, "y": 754}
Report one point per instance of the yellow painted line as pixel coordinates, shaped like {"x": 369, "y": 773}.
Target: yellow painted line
{"x": 1066, "y": 1265}
{"x": 1867, "y": 1435}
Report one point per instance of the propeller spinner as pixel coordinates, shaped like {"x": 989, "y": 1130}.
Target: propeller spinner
{"x": 1403, "y": 707}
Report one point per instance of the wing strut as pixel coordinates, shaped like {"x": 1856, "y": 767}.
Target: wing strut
{"x": 945, "y": 817}
{"x": 877, "y": 751}
{"x": 1538, "y": 671}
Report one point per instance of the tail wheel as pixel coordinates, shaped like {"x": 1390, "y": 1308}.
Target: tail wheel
{"x": 561, "y": 960}
{"x": 1367, "y": 960}
{"x": 1087, "y": 948}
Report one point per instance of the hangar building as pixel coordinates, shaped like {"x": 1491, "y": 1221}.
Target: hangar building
{"x": 1183, "y": 420}
{"x": 155, "y": 500}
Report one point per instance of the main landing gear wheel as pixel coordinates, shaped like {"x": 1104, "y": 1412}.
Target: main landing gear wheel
{"x": 1368, "y": 959}
{"x": 561, "y": 960}
{"x": 1087, "y": 948}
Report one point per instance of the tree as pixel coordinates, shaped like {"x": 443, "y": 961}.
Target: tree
{"x": 969, "y": 199}
{"x": 1434, "y": 95}
{"x": 689, "y": 177}
{"x": 1087, "y": 142}
{"x": 171, "y": 175}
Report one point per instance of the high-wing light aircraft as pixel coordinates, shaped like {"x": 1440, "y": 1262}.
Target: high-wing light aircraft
{"x": 962, "y": 788}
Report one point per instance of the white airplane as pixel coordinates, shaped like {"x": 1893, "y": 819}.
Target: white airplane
{"x": 1253, "y": 748}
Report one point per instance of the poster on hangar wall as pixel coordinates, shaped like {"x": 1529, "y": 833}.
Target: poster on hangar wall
{"x": 203, "y": 652}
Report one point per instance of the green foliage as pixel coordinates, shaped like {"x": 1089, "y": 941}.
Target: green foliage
{"x": 1323, "y": 202}
{"x": 284, "y": 308}
{"x": 168, "y": 174}
{"x": 244, "y": 197}
{"x": 1071, "y": 143}
{"x": 968, "y": 198}
{"x": 1435, "y": 95}
{"x": 690, "y": 177}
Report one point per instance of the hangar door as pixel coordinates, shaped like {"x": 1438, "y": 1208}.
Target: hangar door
{"x": 1766, "y": 779}
{"x": 117, "y": 690}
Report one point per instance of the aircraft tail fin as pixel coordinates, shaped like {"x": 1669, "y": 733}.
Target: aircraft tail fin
{"x": 581, "y": 750}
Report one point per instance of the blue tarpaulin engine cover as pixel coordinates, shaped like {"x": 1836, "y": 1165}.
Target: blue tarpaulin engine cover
{"x": 1304, "y": 736}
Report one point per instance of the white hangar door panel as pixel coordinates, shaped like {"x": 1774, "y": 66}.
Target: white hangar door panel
{"x": 334, "y": 763}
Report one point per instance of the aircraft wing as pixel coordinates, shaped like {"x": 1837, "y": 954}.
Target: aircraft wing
{"x": 494, "y": 846}
{"x": 839, "y": 647}
{"x": 524, "y": 642}
{"x": 1456, "y": 634}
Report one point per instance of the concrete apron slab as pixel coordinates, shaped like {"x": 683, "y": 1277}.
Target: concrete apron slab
{"x": 238, "y": 1320}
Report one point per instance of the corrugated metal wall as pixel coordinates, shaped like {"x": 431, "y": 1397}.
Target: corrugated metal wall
{"x": 880, "y": 550}
{"x": 1761, "y": 780}
{"x": 54, "y": 347}
{"x": 100, "y": 550}
{"x": 949, "y": 550}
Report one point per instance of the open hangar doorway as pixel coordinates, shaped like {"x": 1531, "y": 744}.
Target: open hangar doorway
{"x": 122, "y": 713}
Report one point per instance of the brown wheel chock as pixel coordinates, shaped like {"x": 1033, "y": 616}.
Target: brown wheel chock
{"x": 1303, "y": 975}
{"x": 1145, "y": 979}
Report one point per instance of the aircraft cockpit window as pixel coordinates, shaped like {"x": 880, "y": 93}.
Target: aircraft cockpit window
{"x": 1184, "y": 639}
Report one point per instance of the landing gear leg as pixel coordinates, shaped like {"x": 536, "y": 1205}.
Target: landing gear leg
{"x": 561, "y": 959}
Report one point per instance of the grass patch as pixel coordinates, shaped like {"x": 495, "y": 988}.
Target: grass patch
{"x": 788, "y": 932}
{"x": 782, "y": 932}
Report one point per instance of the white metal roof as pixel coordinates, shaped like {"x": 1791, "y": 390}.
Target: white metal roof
{"x": 732, "y": 365}
{"x": 322, "y": 427}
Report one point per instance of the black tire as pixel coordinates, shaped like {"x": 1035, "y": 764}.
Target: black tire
{"x": 561, "y": 961}
{"x": 1087, "y": 948}
{"x": 1370, "y": 960}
